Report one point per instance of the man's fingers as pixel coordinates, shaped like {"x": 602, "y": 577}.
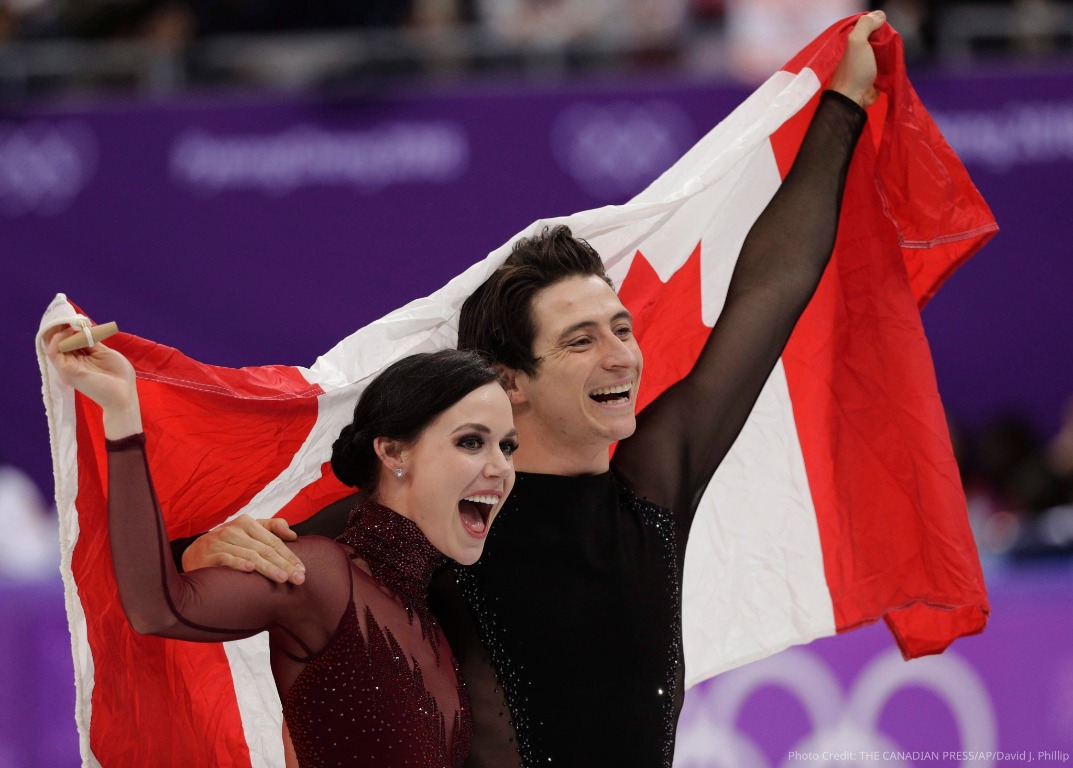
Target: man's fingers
{"x": 266, "y": 551}
{"x": 867, "y": 24}
{"x": 279, "y": 527}
{"x": 224, "y": 560}
{"x": 246, "y": 545}
{"x": 264, "y": 561}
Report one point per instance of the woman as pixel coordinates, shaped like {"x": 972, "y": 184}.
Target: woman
{"x": 360, "y": 663}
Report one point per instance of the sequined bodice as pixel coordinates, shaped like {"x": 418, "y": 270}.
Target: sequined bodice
{"x": 386, "y": 690}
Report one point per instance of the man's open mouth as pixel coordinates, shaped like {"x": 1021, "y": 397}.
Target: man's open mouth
{"x": 615, "y": 395}
{"x": 475, "y": 511}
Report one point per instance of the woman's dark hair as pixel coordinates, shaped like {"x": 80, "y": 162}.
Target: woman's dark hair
{"x": 497, "y": 319}
{"x": 400, "y": 403}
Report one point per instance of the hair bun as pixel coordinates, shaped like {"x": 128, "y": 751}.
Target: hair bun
{"x": 347, "y": 457}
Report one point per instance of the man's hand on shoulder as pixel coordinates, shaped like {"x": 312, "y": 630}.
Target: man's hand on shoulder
{"x": 247, "y": 544}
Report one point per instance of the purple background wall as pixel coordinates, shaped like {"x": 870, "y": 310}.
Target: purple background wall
{"x": 263, "y": 231}
{"x": 253, "y": 231}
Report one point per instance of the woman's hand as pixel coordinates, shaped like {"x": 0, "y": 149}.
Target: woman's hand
{"x": 855, "y": 76}
{"x": 104, "y": 376}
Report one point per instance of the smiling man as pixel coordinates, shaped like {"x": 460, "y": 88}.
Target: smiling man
{"x": 568, "y": 628}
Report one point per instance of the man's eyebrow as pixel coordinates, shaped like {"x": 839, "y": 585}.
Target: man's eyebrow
{"x": 623, "y": 314}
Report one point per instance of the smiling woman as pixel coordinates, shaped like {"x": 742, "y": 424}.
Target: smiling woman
{"x": 445, "y": 433}
{"x": 360, "y": 680}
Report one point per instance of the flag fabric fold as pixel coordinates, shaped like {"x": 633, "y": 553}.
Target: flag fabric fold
{"x": 839, "y": 505}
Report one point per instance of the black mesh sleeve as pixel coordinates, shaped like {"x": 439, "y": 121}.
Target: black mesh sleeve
{"x": 494, "y": 743}
{"x": 683, "y": 436}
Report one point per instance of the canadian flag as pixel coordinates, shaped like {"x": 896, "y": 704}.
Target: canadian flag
{"x": 839, "y": 504}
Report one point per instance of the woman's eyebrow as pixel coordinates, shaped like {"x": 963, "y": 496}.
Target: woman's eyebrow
{"x": 472, "y": 426}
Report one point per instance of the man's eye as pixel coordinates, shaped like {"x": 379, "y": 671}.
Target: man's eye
{"x": 584, "y": 341}
{"x": 624, "y": 331}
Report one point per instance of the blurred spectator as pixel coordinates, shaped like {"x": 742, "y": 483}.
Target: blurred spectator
{"x": 914, "y": 21}
{"x": 237, "y": 16}
{"x": 29, "y": 548}
{"x": 573, "y": 24}
{"x": 1060, "y": 451}
{"x": 1020, "y": 500}
{"x": 1038, "y": 25}
{"x": 763, "y": 34}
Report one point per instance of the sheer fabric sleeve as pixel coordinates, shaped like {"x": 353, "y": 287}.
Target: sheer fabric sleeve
{"x": 208, "y": 604}
{"x": 494, "y": 743}
{"x": 682, "y": 437}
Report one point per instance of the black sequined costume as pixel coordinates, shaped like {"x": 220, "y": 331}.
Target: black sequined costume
{"x": 362, "y": 667}
{"x": 568, "y": 630}
{"x": 617, "y": 566}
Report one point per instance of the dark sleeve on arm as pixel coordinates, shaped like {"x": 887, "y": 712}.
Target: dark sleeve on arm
{"x": 209, "y": 604}
{"x": 683, "y": 436}
{"x": 494, "y": 743}
{"x": 328, "y": 522}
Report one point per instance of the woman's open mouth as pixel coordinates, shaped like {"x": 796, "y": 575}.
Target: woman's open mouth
{"x": 475, "y": 512}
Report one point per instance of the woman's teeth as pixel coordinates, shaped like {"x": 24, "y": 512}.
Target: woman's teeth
{"x": 475, "y": 511}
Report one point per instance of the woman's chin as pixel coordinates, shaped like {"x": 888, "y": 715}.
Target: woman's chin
{"x": 467, "y": 555}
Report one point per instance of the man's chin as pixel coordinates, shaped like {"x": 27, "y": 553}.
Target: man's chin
{"x": 622, "y": 430}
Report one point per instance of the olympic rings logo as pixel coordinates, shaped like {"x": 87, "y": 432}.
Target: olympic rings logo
{"x": 612, "y": 150}
{"x": 841, "y": 723}
{"x": 43, "y": 166}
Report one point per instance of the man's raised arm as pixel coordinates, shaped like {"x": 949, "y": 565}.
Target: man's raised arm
{"x": 682, "y": 437}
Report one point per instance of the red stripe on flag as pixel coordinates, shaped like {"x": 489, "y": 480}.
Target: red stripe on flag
{"x": 215, "y": 438}
{"x": 154, "y": 701}
{"x": 892, "y": 523}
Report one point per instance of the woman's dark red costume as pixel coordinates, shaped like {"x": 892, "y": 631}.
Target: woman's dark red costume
{"x": 362, "y": 667}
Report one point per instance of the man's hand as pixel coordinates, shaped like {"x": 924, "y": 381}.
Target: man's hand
{"x": 855, "y": 76}
{"x": 246, "y": 544}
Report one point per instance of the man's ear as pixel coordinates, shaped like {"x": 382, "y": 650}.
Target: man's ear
{"x": 512, "y": 379}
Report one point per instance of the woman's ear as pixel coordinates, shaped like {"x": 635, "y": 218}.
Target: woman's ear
{"x": 391, "y": 452}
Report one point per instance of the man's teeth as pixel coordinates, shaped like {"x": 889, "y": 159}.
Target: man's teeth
{"x": 489, "y": 499}
{"x": 621, "y": 389}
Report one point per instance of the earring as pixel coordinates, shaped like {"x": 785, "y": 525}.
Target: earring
{"x": 398, "y": 471}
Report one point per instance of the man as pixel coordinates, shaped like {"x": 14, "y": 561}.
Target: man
{"x": 568, "y": 629}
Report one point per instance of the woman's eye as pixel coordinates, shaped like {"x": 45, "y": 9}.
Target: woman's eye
{"x": 471, "y": 443}
{"x": 508, "y": 448}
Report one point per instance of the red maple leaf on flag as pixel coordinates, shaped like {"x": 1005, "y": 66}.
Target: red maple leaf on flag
{"x": 667, "y": 322}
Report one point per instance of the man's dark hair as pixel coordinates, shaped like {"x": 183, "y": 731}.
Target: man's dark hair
{"x": 400, "y": 403}
{"x": 497, "y": 319}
